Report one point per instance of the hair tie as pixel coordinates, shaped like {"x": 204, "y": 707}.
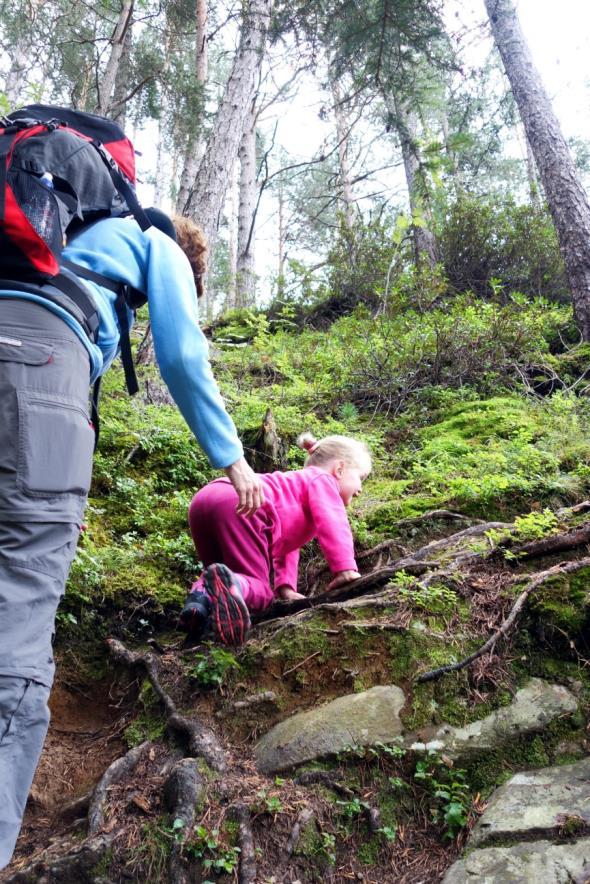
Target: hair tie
{"x": 313, "y": 447}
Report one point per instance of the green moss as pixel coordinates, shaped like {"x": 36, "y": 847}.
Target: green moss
{"x": 368, "y": 852}
{"x": 302, "y": 640}
{"x": 149, "y": 724}
{"x": 563, "y": 602}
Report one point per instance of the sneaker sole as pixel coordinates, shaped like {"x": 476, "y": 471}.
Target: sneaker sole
{"x": 229, "y": 615}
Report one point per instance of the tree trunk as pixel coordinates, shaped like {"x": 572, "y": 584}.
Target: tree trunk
{"x": 122, "y": 80}
{"x": 161, "y": 184}
{"x": 206, "y": 201}
{"x": 566, "y": 198}
{"x": 194, "y": 147}
{"x": 282, "y": 243}
{"x": 232, "y": 247}
{"x": 20, "y": 56}
{"x": 107, "y": 85}
{"x": 343, "y": 136}
{"x": 245, "y": 269}
{"x": 425, "y": 245}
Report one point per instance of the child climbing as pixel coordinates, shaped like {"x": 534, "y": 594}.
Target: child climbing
{"x": 251, "y": 560}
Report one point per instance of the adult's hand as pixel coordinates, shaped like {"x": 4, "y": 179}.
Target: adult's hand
{"x": 248, "y": 486}
{"x": 341, "y": 578}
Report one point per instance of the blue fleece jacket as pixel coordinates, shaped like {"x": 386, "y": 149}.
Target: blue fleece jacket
{"x": 153, "y": 263}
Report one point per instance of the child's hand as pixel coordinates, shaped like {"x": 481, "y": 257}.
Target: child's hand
{"x": 286, "y": 594}
{"x": 343, "y": 577}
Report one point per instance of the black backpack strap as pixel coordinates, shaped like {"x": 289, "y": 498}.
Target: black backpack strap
{"x": 94, "y": 417}
{"x": 123, "y": 186}
{"x": 122, "y": 301}
{"x": 105, "y": 281}
{"x": 126, "y": 354}
{"x": 68, "y": 293}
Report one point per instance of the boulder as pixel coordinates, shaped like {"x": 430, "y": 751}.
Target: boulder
{"x": 538, "y": 804}
{"x": 355, "y": 720}
{"x": 541, "y": 862}
{"x": 534, "y": 707}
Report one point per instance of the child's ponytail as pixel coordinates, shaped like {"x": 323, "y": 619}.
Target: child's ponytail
{"x": 331, "y": 448}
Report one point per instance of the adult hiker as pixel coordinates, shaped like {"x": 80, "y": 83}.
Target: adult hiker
{"x": 47, "y": 362}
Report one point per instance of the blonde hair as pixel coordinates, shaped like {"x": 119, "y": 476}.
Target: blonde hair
{"x": 191, "y": 240}
{"x": 321, "y": 452}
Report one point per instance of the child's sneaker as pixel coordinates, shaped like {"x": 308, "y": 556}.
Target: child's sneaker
{"x": 230, "y": 620}
{"x": 196, "y": 614}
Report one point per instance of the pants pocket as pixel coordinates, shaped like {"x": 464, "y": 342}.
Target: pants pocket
{"x": 12, "y": 695}
{"x": 55, "y": 446}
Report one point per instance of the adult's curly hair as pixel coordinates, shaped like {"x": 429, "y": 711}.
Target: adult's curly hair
{"x": 191, "y": 240}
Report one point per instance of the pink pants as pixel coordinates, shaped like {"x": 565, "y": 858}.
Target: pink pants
{"x": 243, "y": 544}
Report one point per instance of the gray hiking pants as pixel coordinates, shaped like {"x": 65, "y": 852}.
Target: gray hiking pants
{"x": 46, "y": 445}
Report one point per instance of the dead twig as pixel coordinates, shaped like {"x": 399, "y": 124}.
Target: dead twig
{"x": 302, "y": 663}
{"x": 536, "y": 581}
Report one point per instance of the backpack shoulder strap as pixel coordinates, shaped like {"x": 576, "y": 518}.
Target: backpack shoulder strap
{"x": 121, "y": 304}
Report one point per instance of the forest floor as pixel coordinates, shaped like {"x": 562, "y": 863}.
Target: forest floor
{"x": 363, "y": 815}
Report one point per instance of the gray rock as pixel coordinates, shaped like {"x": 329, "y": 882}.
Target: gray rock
{"x": 538, "y": 863}
{"x": 355, "y": 720}
{"x": 533, "y": 708}
{"x": 540, "y": 803}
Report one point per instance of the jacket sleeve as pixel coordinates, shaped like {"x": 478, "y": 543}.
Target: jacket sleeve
{"x": 285, "y": 570}
{"x": 331, "y": 523}
{"x": 182, "y": 350}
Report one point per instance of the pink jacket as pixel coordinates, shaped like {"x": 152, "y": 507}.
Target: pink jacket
{"x": 305, "y": 504}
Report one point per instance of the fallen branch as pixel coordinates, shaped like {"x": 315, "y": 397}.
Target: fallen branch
{"x": 249, "y": 702}
{"x": 247, "y": 871}
{"x": 554, "y": 543}
{"x": 114, "y": 773}
{"x": 536, "y": 581}
{"x": 349, "y": 591}
{"x": 202, "y": 741}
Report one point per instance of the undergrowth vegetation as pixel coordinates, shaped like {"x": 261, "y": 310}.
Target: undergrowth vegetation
{"x": 470, "y": 393}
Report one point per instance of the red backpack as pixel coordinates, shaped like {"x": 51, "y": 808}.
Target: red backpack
{"x": 60, "y": 170}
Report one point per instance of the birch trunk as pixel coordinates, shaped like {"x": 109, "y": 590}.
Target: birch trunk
{"x": 343, "y": 136}
{"x": 282, "y": 243}
{"x": 232, "y": 256}
{"x": 162, "y": 174}
{"x": 107, "y": 84}
{"x": 206, "y": 201}
{"x": 19, "y": 57}
{"x": 425, "y": 245}
{"x": 194, "y": 148}
{"x": 122, "y": 79}
{"x": 246, "y": 275}
{"x": 566, "y": 198}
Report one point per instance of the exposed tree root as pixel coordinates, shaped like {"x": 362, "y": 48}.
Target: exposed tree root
{"x": 247, "y": 870}
{"x": 202, "y": 741}
{"x": 311, "y": 777}
{"x": 184, "y": 790}
{"x": 536, "y": 581}
{"x": 304, "y": 817}
{"x": 114, "y": 773}
{"x": 75, "y": 866}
